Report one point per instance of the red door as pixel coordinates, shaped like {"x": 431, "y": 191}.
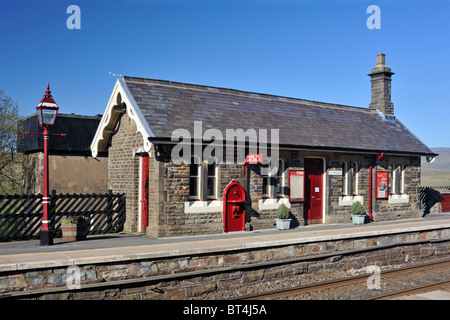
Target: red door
{"x": 314, "y": 190}
{"x": 143, "y": 196}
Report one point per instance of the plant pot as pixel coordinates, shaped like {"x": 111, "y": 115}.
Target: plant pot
{"x": 358, "y": 219}
{"x": 283, "y": 224}
{"x": 74, "y": 231}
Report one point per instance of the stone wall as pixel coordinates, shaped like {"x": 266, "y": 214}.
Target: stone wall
{"x": 229, "y": 273}
{"x": 123, "y": 166}
{"x": 382, "y": 209}
{"x": 169, "y": 188}
{"x": 68, "y": 173}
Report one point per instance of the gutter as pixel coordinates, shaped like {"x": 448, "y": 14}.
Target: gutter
{"x": 169, "y": 141}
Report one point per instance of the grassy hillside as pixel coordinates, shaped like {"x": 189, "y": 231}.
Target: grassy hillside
{"x": 438, "y": 172}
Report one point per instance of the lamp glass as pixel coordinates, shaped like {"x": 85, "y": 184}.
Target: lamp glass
{"x": 46, "y": 116}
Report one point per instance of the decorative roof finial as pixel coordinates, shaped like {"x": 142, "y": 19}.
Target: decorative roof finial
{"x": 48, "y": 93}
{"x": 48, "y": 100}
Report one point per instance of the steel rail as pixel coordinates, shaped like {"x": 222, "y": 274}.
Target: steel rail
{"x": 287, "y": 292}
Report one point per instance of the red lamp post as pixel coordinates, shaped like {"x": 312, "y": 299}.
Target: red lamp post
{"x": 46, "y": 110}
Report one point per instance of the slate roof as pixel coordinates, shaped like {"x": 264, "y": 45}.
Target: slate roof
{"x": 79, "y": 130}
{"x": 167, "y": 106}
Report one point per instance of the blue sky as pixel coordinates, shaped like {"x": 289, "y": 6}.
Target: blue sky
{"x": 318, "y": 50}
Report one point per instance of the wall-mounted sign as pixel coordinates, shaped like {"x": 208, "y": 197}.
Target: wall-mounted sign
{"x": 335, "y": 172}
{"x": 382, "y": 184}
{"x": 296, "y": 185}
{"x": 254, "y": 158}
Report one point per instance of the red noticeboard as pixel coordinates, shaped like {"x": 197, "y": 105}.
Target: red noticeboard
{"x": 382, "y": 184}
{"x": 296, "y": 185}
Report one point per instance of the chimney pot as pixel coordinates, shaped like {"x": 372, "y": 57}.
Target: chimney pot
{"x": 381, "y": 60}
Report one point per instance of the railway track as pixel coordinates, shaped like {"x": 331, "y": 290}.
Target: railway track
{"x": 390, "y": 278}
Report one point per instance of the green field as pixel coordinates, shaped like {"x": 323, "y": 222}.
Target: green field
{"x": 435, "y": 177}
{"x": 438, "y": 172}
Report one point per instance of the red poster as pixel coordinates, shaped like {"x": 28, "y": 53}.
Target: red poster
{"x": 382, "y": 183}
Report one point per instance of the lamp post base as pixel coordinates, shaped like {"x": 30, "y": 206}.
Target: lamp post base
{"x": 47, "y": 237}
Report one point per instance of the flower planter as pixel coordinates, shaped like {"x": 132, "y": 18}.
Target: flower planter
{"x": 74, "y": 231}
{"x": 283, "y": 224}
{"x": 358, "y": 219}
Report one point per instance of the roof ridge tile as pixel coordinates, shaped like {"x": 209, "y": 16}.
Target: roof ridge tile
{"x": 243, "y": 93}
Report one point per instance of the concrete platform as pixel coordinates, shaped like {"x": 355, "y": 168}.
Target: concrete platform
{"x": 432, "y": 295}
{"x": 126, "y": 247}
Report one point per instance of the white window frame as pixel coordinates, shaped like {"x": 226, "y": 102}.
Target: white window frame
{"x": 204, "y": 203}
{"x": 402, "y": 177}
{"x": 396, "y": 179}
{"x": 344, "y": 178}
{"x": 272, "y": 185}
{"x": 355, "y": 178}
{"x": 273, "y": 199}
{"x": 279, "y": 176}
{"x": 198, "y": 177}
{"x": 398, "y": 195}
{"x": 350, "y": 176}
{"x": 216, "y": 178}
{"x": 268, "y": 185}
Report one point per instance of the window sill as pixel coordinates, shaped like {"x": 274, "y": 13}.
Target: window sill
{"x": 398, "y": 198}
{"x": 349, "y": 200}
{"x": 272, "y": 204}
{"x": 203, "y": 206}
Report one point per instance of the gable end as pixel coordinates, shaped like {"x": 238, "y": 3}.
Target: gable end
{"x": 121, "y": 101}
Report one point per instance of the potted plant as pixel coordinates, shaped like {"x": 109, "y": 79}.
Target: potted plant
{"x": 358, "y": 213}
{"x": 74, "y": 228}
{"x": 282, "y": 220}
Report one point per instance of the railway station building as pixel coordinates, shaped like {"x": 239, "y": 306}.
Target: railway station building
{"x": 72, "y": 168}
{"x": 174, "y": 148}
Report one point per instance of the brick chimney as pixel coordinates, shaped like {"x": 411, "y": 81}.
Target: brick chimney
{"x": 381, "y": 87}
